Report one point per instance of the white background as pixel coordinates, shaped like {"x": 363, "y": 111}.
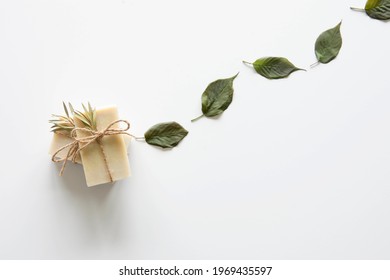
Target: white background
{"x": 294, "y": 169}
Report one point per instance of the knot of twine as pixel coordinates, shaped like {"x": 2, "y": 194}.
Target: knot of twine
{"x": 80, "y": 143}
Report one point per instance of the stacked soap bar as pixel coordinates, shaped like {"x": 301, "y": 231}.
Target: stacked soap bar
{"x": 105, "y": 159}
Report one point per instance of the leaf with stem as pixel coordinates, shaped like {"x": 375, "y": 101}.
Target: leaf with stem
{"x": 376, "y": 9}
{"x": 328, "y": 45}
{"x": 217, "y": 97}
{"x": 165, "y": 135}
{"x": 274, "y": 67}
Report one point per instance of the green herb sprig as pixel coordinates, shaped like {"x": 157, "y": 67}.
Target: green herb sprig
{"x": 63, "y": 123}
{"x": 88, "y": 117}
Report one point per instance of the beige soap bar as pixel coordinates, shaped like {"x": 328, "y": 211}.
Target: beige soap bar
{"x": 105, "y": 162}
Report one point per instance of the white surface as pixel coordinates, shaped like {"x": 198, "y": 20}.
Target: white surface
{"x": 294, "y": 169}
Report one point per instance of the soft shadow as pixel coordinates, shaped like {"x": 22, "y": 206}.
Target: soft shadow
{"x": 99, "y": 211}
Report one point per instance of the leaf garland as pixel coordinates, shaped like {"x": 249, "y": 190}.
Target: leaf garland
{"x": 165, "y": 135}
{"x": 376, "y": 9}
{"x": 274, "y": 67}
{"x": 328, "y": 44}
{"x": 217, "y": 97}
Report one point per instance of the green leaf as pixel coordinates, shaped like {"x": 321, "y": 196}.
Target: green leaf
{"x": 378, "y": 9}
{"x": 71, "y": 108}
{"x": 217, "y": 97}
{"x": 65, "y": 109}
{"x": 328, "y": 44}
{"x": 274, "y": 67}
{"x": 165, "y": 135}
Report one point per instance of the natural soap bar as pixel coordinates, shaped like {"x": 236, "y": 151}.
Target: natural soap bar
{"x": 104, "y": 160}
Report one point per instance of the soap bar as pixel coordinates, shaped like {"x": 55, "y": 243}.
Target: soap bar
{"x": 104, "y": 160}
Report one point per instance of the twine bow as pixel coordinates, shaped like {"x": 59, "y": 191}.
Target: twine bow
{"x": 80, "y": 143}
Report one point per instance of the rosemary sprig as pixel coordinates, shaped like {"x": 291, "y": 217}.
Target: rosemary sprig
{"x": 88, "y": 117}
{"x": 65, "y": 123}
